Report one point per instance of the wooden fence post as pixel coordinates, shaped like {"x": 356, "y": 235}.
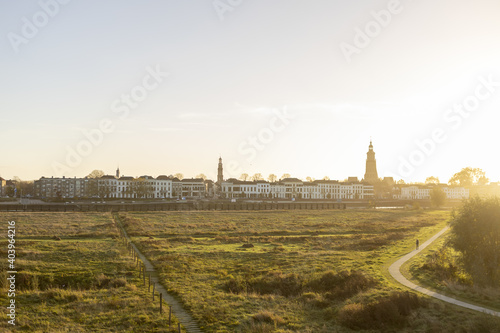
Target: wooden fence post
{"x": 170, "y": 317}
{"x": 154, "y": 285}
{"x": 161, "y": 297}
{"x": 149, "y": 282}
{"x": 179, "y": 327}
{"x": 144, "y": 274}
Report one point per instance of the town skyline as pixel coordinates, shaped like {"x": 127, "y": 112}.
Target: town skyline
{"x": 370, "y": 174}
{"x": 167, "y": 86}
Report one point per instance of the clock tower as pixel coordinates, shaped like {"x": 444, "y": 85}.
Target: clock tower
{"x": 371, "y": 175}
{"x": 220, "y": 177}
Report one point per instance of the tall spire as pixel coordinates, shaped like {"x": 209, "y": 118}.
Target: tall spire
{"x": 220, "y": 175}
{"x": 118, "y": 172}
{"x": 371, "y": 174}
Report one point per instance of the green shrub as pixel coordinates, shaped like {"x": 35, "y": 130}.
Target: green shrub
{"x": 333, "y": 285}
{"x": 275, "y": 283}
{"x": 314, "y": 299}
{"x": 391, "y": 311}
{"x": 267, "y": 317}
{"x": 486, "y": 324}
{"x": 475, "y": 232}
{"x": 341, "y": 285}
{"x": 118, "y": 282}
{"x": 236, "y": 285}
{"x": 104, "y": 282}
{"x": 61, "y": 295}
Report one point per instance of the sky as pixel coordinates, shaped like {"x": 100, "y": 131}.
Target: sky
{"x": 281, "y": 86}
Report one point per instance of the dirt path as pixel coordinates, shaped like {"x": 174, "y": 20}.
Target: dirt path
{"x": 394, "y": 270}
{"x": 182, "y": 315}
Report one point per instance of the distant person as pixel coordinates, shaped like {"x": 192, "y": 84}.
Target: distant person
{"x": 417, "y": 243}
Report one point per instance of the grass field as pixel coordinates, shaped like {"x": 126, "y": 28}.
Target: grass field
{"x": 256, "y": 271}
{"x": 296, "y": 271}
{"x": 74, "y": 275}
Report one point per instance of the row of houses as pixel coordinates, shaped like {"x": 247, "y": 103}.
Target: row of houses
{"x": 423, "y": 192}
{"x": 293, "y": 188}
{"x": 164, "y": 187}
{"x": 144, "y": 187}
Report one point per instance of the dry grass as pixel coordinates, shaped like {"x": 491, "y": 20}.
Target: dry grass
{"x": 83, "y": 282}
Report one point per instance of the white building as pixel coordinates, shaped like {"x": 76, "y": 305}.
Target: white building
{"x": 144, "y": 187}
{"x": 193, "y": 188}
{"x": 289, "y": 188}
{"x": 456, "y": 192}
{"x": 420, "y": 192}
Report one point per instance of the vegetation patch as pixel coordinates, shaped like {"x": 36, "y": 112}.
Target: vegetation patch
{"x": 304, "y": 267}
{"x": 341, "y": 285}
{"x": 275, "y": 283}
{"x": 387, "y": 312}
{"x": 465, "y": 263}
{"x": 85, "y": 281}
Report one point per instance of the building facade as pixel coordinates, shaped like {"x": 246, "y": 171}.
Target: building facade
{"x": 143, "y": 187}
{"x": 293, "y": 188}
{"x": 193, "y": 188}
{"x": 423, "y": 192}
{"x": 113, "y": 187}
{"x": 61, "y": 187}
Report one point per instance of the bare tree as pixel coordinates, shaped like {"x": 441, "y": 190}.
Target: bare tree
{"x": 309, "y": 179}
{"x": 286, "y": 175}
{"x": 142, "y": 188}
{"x": 179, "y": 175}
{"x": 438, "y": 196}
{"x": 257, "y": 176}
{"x": 244, "y": 176}
{"x": 24, "y": 187}
{"x": 96, "y": 174}
{"x": 93, "y": 189}
{"x": 272, "y": 178}
{"x": 432, "y": 180}
{"x": 326, "y": 178}
{"x": 202, "y": 176}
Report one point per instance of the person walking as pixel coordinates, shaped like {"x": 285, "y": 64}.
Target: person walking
{"x": 417, "y": 244}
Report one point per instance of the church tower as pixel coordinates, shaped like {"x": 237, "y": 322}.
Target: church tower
{"x": 220, "y": 177}
{"x": 371, "y": 175}
{"x": 118, "y": 172}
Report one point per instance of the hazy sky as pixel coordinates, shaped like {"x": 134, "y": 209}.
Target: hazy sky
{"x": 272, "y": 86}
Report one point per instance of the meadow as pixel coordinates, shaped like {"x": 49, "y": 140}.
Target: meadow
{"x": 296, "y": 271}
{"x": 75, "y": 275}
{"x": 234, "y": 271}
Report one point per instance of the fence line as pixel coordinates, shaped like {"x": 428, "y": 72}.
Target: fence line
{"x": 141, "y": 266}
{"x": 172, "y": 206}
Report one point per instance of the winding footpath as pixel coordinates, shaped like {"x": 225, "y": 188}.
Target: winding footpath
{"x": 394, "y": 270}
{"x": 182, "y": 315}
